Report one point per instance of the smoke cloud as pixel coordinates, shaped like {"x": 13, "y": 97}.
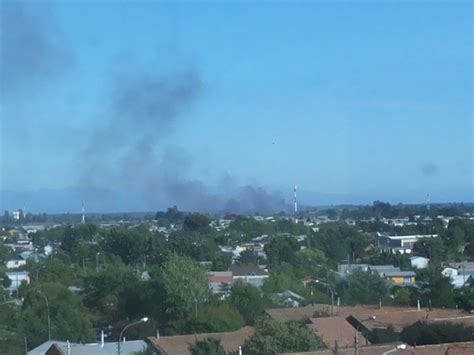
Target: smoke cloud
{"x": 429, "y": 169}
{"x": 125, "y": 163}
{"x": 127, "y": 154}
{"x": 31, "y": 54}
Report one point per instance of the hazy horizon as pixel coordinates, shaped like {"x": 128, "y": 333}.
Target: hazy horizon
{"x": 210, "y": 106}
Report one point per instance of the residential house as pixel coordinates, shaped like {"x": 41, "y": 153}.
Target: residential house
{"x": 394, "y": 275}
{"x": 288, "y": 298}
{"x": 17, "y": 277}
{"x": 345, "y": 269}
{"x": 15, "y": 263}
{"x": 336, "y": 330}
{"x": 179, "y": 344}
{"x": 250, "y": 274}
{"x": 56, "y": 347}
{"x": 219, "y": 280}
{"x": 400, "y": 278}
{"x": 308, "y": 280}
{"x": 385, "y": 317}
{"x": 464, "y": 348}
{"x": 419, "y": 262}
{"x": 458, "y": 277}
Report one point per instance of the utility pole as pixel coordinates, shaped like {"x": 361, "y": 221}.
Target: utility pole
{"x": 47, "y": 309}
{"x": 97, "y": 262}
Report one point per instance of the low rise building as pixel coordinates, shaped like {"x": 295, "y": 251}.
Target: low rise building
{"x": 15, "y": 263}
{"x": 179, "y": 344}
{"x": 220, "y": 280}
{"x": 400, "y": 243}
{"x": 250, "y": 274}
{"x": 419, "y": 262}
{"x": 17, "y": 277}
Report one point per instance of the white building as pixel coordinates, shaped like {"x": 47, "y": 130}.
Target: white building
{"x": 401, "y": 243}
{"x": 15, "y": 263}
{"x": 17, "y": 277}
{"x": 419, "y": 262}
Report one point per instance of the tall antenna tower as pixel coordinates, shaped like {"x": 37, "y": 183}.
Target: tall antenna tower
{"x": 296, "y": 202}
{"x": 428, "y": 206}
{"x": 83, "y": 220}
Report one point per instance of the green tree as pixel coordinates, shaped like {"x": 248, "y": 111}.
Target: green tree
{"x": 422, "y": 333}
{"x": 465, "y": 298}
{"x": 310, "y": 261}
{"x": 402, "y": 296}
{"x": 272, "y": 337}
{"x": 436, "y": 289}
{"x": 5, "y": 281}
{"x": 469, "y": 250}
{"x": 248, "y": 257}
{"x": 52, "y": 270}
{"x": 281, "y": 249}
{"x": 280, "y": 281}
{"x": 69, "y": 319}
{"x": 220, "y": 318}
{"x": 432, "y": 248}
{"x": 186, "y": 286}
{"x": 362, "y": 287}
{"x": 221, "y": 262}
{"x": 248, "y": 300}
{"x": 338, "y": 241}
{"x": 196, "y": 222}
{"x": 103, "y": 290}
{"x": 208, "y": 346}
{"x": 129, "y": 244}
{"x": 11, "y": 332}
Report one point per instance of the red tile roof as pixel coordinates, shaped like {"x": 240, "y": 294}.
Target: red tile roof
{"x": 397, "y": 317}
{"x": 179, "y": 344}
{"x": 466, "y": 348}
{"x": 220, "y": 279}
{"x": 332, "y": 329}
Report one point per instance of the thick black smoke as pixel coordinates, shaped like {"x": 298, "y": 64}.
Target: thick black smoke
{"x": 127, "y": 154}
{"x": 31, "y": 53}
{"x": 125, "y": 163}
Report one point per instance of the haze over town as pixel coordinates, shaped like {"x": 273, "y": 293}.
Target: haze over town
{"x": 227, "y": 106}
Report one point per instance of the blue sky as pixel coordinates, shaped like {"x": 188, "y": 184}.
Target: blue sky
{"x": 352, "y": 101}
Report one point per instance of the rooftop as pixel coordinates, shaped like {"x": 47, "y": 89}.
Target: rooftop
{"x": 179, "y": 344}
{"x": 127, "y": 348}
{"x": 466, "y": 348}
{"x": 332, "y": 329}
{"x": 397, "y": 317}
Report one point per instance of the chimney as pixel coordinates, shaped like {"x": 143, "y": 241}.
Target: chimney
{"x": 240, "y": 350}
{"x": 102, "y": 338}
{"x": 157, "y": 334}
{"x": 418, "y": 304}
{"x": 68, "y": 348}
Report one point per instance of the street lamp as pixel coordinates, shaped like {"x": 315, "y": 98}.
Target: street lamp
{"x": 143, "y": 320}
{"x": 356, "y": 336}
{"x": 398, "y": 347}
{"x": 47, "y": 309}
{"x": 97, "y": 262}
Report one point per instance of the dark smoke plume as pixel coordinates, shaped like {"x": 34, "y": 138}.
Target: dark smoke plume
{"x": 30, "y": 54}
{"x": 125, "y": 154}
